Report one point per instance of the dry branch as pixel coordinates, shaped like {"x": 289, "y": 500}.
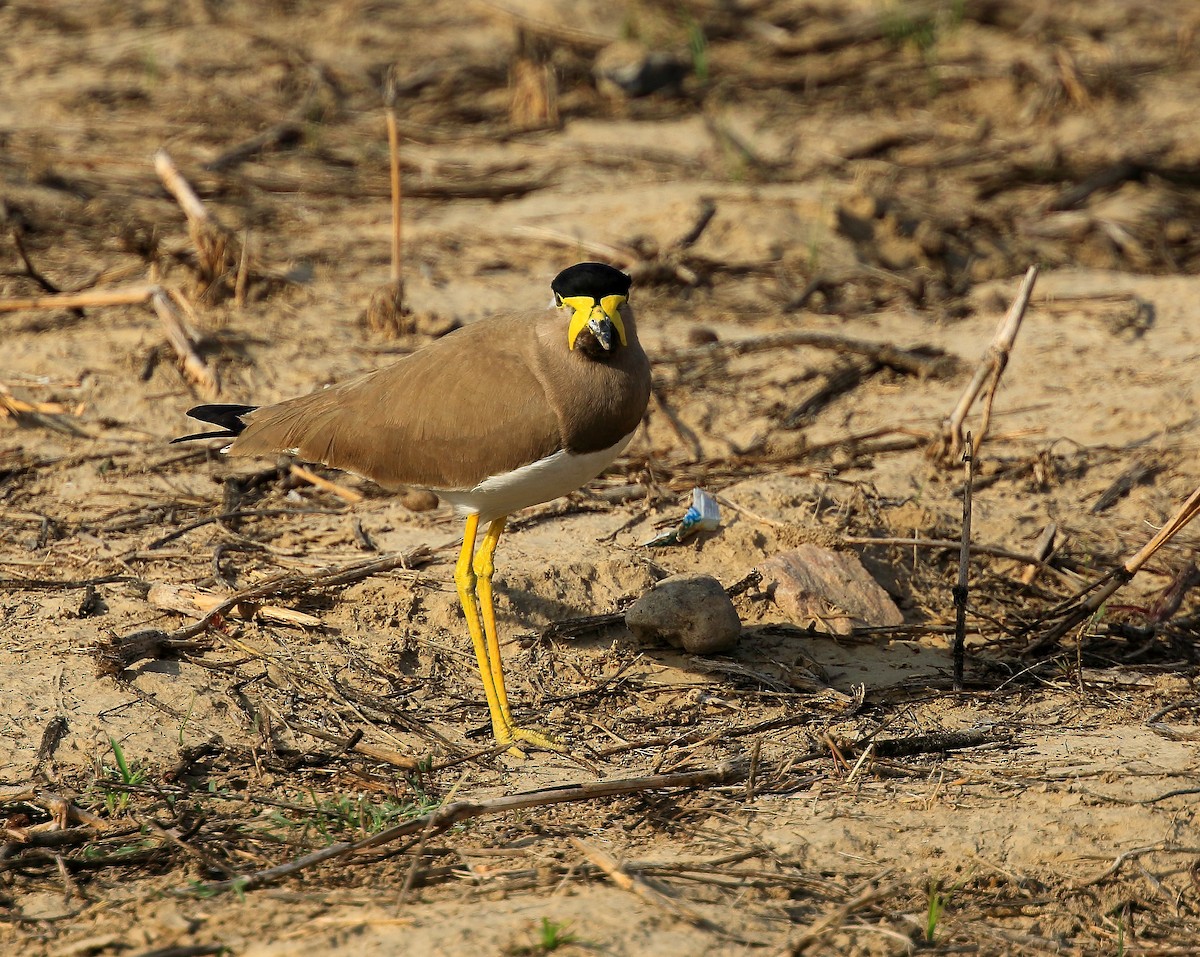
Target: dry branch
{"x": 936, "y": 742}
{"x": 916, "y": 362}
{"x": 448, "y": 815}
{"x": 194, "y": 602}
{"x": 125, "y": 296}
{"x": 119, "y": 652}
{"x": 217, "y": 252}
{"x": 180, "y": 336}
{"x": 964, "y": 556}
{"x": 991, "y": 367}
{"x": 183, "y": 342}
{"x": 639, "y": 886}
{"x": 179, "y": 187}
{"x": 312, "y": 478}
{"x": 1081, "y": 608}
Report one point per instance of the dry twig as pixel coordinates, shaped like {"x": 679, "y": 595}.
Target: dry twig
{"x": 835, "y": 918}
{"x": 182, "y": 340}
{"x": 119, "y": 652}
{"x": 1132, "y": 855}
{"x": 639, "y": 886}
{"x": 124, "y": 296}
{"x": 51, "y": 415}
{"x": 949, "y": 446}
{"x": 919, "y": 362}
{"x": 448, "y": 815}
{"x": 1140, "y": 471}
{"x": 217, "y": 253}
{"x": 312, "y": 478}
{"x": 386, "y": 312}
{"x": 47, "y": 584}
{"x": 1079, "y": 608}
{"x": 393, "y": 135}
{"x": 281, "y": 134}
{"x": 193, "y": 602}
{"x": 1042, "y": 550}
{"x": 356, "y": 744}
{"x": 181, "y": 337}
{"x": 995, "y": 551}
{"x": 964, "y": 555}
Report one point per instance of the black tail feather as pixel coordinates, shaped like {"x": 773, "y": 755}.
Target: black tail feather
{"x": 228, "y": 417}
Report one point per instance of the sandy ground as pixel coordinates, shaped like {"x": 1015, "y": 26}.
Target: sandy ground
{"x": 880, "y": 173}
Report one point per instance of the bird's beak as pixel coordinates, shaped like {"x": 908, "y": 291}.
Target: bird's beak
{"x": 600, "y": 318}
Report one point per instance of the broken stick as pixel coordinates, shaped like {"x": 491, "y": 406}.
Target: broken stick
{"x": 180, "y": 336}
{"x": 950, "y": 443}
{"x": 1079, "y": 610}
{"x": 446, "y": 816}
{"x": 964, "y": 555}
{"x": 181, "y": 340}
{"x": 217, "y": 253}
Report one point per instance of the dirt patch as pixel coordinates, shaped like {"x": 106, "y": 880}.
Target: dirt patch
{"x": 880, "y": 174}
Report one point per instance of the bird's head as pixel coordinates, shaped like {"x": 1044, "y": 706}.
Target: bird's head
{"x": 595, "y": 294}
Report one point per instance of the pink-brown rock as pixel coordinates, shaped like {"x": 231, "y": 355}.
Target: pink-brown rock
{"x": 827, "y": 590}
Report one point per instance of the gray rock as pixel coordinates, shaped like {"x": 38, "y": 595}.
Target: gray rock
{"x": 691, "y": 612}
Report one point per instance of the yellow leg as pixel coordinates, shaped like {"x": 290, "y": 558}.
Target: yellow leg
{"x": 484, "y": 566}
{"x": 465, "y": 580}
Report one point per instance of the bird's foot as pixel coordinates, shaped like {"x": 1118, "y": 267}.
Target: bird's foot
{"x": 523, "y": 739}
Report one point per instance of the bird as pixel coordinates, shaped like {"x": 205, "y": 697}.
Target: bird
{"x": 506, "y": 412}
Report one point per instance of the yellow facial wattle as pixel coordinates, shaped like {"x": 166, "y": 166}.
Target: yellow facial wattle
{"x": 586, "y": 311}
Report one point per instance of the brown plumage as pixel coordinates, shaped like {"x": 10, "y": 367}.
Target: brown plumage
{"x": 484, "y": 400}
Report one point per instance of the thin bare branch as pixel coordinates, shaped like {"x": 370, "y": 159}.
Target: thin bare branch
{"x": 125, "y": 296}
{"x": 1099, "y": 592}
{"x": 448, "y": 815}
{"x": 987, "y": 373}
{"x": 964, "y": 556}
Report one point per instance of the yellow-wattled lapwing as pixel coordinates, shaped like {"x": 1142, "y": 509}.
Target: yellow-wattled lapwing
{"x": 501, "y": 414}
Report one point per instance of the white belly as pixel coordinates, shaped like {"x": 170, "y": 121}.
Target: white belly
{"x": 539, "y": 481}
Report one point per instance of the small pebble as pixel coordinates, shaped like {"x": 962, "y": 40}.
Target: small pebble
{"x": 419, "y": 500}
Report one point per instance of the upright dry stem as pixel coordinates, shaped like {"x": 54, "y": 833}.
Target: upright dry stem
{"x": 988, "y": 372}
